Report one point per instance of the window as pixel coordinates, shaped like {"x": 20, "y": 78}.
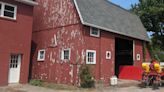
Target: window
{"x": 8, "y": 10}
{"x": 15, "y": 60}
{"x": 90, "y": 57}
{"x": 65, "y": 54}
{"x": 138, "y": 57}
{"x": 94, "y": 32}
{"x": 41, "y": 55}
{"x": 108, "y": 55}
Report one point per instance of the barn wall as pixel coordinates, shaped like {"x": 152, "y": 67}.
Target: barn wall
{"x": 148, "y": 54}
{"x": 107, "y": 66}
{"x": 53, "y": 68}
{"x": 60, "y": 21}
{"x": 15, "y": 37}
{"x": 138, "y": 50}
{"x": 78, "y": 39}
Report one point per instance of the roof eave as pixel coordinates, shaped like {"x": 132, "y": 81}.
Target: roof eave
{"x": 28, "y": 2}
{"x": 102, "y": 28}
{"x": 113, "y": 31}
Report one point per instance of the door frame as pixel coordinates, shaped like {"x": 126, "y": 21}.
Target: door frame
{"x": 133, "y": 48}
{"x": 19, "y": 70}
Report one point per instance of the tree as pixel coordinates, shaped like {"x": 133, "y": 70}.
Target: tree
{"x": 151, "y": 13}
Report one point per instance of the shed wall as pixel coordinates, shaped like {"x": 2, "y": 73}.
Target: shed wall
{"x": 15, "y": 37}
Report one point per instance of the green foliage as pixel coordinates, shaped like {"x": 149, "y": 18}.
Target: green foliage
{"x": 151, "y": 13}
{"x": 157, "y": 53}
{"x": 158, "y": 41}
{"x": 86, "y": 78}
{"x": 36, "y": 82}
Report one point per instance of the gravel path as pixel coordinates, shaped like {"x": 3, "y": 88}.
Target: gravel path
{"x": 133, "y": 87}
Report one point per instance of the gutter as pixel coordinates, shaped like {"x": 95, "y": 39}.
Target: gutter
{"x": 28, "y": 2}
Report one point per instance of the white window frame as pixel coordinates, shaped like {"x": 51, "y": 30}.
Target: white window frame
{"x": 138, "y": 57}
{"x": 108, "y": 55}
{"x": 94, "y": 57}
{"x": 39, "y": 52}
{"x": 62, "y": 54}
{"x": 3, "y": 10}
{"x": 91, "y": 29}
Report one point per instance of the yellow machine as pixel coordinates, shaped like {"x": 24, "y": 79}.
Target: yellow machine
{"x": 153, "y": 74}
{"x": 146, "y": 67}
{"x": 157, "y": 68}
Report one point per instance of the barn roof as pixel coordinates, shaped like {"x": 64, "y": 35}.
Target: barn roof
{"x": 107, "y": 16}
{"x": 28, "y": 2}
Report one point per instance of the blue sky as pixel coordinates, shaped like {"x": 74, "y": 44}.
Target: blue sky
{"x": 124, "y": 3}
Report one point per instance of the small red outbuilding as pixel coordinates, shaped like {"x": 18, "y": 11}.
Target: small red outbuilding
{"x": 16, "y": 19}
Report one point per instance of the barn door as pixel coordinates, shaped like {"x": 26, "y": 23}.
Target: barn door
{"x": 14, "y": 68}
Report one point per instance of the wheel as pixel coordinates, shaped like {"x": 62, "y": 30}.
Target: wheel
{"x": 145, "y": 83}
{"x": 155, "y": 84}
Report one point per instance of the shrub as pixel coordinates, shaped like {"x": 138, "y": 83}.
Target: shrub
{"x": 157, "y": 53}
{"x": 86, "y": 78}
{"x": 36, "y": 82}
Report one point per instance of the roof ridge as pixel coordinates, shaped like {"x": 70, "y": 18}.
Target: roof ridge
{"x": 119, "y": 7}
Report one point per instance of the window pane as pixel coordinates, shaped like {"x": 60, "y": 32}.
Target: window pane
{"x": 9, "y": 8}
{"x": 92, "y": 60}
{"x": 90, "y": 57}
{"x": 9, "y": 14}
{"x": 14, "y": 61}
{"x": 16, "y": 65}
{"x": 66, "y": 57}
{"x": 66, "y": 54}
{"x": 95, "y": 32}
{"x": 94, "y": 29}
{"x": 88, "y": 60}
{"x": 41, "y": 54}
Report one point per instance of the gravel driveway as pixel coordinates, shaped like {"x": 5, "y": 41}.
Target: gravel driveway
{"x": 123, "y": 86}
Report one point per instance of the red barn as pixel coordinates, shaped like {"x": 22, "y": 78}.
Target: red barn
{"x": 16, "y": 19}
{"x": 69, "y": 33}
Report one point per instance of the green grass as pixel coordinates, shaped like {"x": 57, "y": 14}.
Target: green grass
{"x": 36, "y": 82}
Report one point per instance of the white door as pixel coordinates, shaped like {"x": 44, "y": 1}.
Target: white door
{"x": 14, "y": 68}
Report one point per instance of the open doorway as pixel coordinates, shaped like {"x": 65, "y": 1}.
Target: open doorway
{"x": 123, "y": 53}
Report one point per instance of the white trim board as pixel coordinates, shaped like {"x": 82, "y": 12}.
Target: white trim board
{"x": 28, "y": 2}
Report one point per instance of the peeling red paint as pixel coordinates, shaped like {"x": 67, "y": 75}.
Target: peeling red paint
{"x": 57, "y": 22}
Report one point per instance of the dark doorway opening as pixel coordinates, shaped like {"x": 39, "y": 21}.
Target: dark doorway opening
{"x": 123, "y": 53}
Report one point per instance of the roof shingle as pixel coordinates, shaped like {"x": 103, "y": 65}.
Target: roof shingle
{"x": 107, "y": 16}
